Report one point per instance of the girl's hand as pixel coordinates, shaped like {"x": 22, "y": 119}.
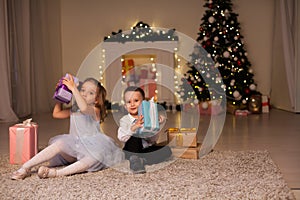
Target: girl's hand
{"x": 69, "y": 82}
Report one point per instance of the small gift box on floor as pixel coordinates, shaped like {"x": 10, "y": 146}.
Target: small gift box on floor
{"x": 265, "y": 104}
{"x": 149, "y": 111}
{"x": 183, "y": 137}
{"x": 186, "y": 153}
{"x": 241, "y": 113}
{"x": 22, "y": 142}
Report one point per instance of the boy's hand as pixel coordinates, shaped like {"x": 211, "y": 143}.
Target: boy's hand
{"x": 161, "y": 119}
{"x": 138, "y": 124}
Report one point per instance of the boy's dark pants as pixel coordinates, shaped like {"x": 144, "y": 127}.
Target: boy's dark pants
{"x": 153, "y": 154}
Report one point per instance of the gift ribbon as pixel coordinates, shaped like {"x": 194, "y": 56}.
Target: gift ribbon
{"x": 179, "y": 136}
{"x": 179, "y": 139}
{"x": 153, "y": 116}
{"x": 20, "y": 139}
{"x": 19, "y": 145}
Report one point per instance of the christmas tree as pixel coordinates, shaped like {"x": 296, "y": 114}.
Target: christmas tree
{"x": 221, "y": 48}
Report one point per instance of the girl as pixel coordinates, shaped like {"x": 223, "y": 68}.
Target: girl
{"x": 85, "y": 148}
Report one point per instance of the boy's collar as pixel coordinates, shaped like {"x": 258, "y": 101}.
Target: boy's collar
{"x": 131, "y": 117}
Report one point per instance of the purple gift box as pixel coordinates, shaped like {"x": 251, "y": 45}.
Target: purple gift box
{"x": 62, "y": 92}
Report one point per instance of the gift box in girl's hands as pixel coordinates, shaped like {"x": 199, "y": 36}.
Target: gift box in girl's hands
{"x": 151, "y": 126}
{"x": 62, "y": 92}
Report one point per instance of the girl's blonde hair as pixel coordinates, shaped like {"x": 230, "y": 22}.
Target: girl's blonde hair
{"x": 101, "y": 97}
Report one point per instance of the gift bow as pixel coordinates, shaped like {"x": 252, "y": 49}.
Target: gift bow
{"x": 27, "y": 122}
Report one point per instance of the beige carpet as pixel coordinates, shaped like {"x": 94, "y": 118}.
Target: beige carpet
{"x": 219, "y": 175}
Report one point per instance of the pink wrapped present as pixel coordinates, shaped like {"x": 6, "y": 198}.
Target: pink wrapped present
{"x": 22, "y": 142}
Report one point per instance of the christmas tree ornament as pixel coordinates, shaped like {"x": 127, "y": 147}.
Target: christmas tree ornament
{"x": 226, "y": 54}
{"x": 236, "y": 94}
{"x": 252, "y": 87}
{"x": 204, "y": 105}
{"x": 211, "y": 19}
{"x": 232, "y": 82}
{"x": 247, "y": 91}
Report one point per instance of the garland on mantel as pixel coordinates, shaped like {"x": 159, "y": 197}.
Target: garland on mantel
{"x": 142, "y": 32}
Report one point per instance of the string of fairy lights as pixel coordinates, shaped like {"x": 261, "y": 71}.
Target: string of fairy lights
{"x": 143, "y": 32}
{"x": 101, "y": 67}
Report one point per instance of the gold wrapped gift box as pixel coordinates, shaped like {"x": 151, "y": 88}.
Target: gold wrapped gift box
{"x": 182, "y": 137}
{"x": 186, "y": 153}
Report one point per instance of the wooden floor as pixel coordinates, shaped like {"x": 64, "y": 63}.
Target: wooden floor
{"x": 277, "y": 132}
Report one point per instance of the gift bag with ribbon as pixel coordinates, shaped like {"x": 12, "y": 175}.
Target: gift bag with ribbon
{"x": 151, "y": 119}
{"x": 22, "y": 142}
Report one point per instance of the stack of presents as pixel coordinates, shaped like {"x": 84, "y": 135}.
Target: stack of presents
{"x": 183, "y": 142}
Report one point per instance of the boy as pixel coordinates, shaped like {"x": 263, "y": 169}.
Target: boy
{"x": 139, "y": 151}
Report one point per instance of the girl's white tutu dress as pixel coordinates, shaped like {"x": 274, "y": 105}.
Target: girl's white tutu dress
{"x": 86, "y": 138}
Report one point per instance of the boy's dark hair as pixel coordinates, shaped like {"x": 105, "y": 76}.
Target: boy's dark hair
{"x": 135, "y": 89}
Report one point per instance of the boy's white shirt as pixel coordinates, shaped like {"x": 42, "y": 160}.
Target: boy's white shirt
{"x": 124, "y": 131}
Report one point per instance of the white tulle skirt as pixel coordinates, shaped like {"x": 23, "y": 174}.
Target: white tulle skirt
{"x": 100, "y": 147}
